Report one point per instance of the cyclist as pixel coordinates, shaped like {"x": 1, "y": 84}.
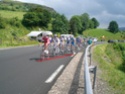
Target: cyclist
{"x": 72, "y": 41}
{"x": 56, "y": 42}
{"x": 78, "y": 43}
{"x": 46, "y": 41}
{"x": 62, "y": 43}
{"x": 68, "y": 43}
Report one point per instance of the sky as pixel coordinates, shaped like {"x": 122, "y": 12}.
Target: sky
{"x": 104, "y": 11}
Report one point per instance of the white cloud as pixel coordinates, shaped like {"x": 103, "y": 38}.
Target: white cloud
{"x": 103, "y": 10}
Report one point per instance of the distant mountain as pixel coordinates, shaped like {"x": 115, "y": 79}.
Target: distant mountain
{"x": 122, "y": 28}
{"x": 20, "y": 6}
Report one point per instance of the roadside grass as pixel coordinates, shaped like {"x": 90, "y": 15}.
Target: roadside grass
{"x": 12, "y": 14}
{"x": 17, "y": 43}
{"x": 108, "y": 61}
{"x": 102, "y": 32}
{"x": 10, "y": 37}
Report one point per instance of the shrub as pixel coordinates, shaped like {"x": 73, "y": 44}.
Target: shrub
{"x": 15, "y": 22}
{"x": 2, "y": 22}
{"x": 121, "y": 48}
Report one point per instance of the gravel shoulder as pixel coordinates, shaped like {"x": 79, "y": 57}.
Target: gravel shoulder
{"x": 71, "y": 80}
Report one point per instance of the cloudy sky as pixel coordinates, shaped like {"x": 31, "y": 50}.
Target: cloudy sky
{"x": 103, "y": 10}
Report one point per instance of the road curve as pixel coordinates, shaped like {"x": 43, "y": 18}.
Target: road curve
{"x": 20, "y": 73}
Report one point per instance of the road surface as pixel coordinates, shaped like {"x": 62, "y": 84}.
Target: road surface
{"x": 20, "y": 73}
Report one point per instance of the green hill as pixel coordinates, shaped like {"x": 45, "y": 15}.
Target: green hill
{"x": 20, "y": 6}
{"x": 110, "y": 58}
{"x": 5, "y": 13}
{"x": 11, "y": 9}
{"x": 11, "y": 14}
{"x": 102, "y": 32}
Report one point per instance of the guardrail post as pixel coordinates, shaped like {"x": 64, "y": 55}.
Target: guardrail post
{"x": 93, "y": 70}
{"x": 90, "y": 59}
{"x": 90, "y": 55}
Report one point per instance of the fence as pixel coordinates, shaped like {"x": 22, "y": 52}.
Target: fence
{"x": 87, "y": 79}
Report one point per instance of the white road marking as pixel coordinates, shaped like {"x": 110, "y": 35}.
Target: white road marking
{"x": 52, "y": 77}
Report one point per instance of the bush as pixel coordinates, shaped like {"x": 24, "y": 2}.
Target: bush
{"x": 2, "y": 23}
{"x": 121, "y": 48}
{"x": 37, "y": 17}
{"x": 15, "y": 22}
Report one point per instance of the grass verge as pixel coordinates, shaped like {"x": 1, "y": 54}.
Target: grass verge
{"x": 108, "y": 61}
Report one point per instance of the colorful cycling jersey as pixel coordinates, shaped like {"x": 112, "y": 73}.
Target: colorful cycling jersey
{"x": 56, "y": 40}
{"x": 68, "y": 40}
{"x": 46, "y": 39}
{"x": 78, "y": 40}
{"x": 61, "y": 39}
{"x": 72, "y": 41}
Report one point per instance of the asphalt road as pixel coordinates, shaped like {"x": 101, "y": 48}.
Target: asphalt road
{"x": 20, "y": 73}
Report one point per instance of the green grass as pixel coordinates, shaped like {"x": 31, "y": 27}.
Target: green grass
{"x": 12, "y": 14}
{"x": 10, "y": 10}
{"x": 8, "y": 40}
{"x": 6, "y": 35}
{"x": 108, "y": 60}
{"x": 102, "y": 32}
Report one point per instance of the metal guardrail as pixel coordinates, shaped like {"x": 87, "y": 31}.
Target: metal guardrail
{"x": 87, "y": 79}
{"x": 87, "y": 69}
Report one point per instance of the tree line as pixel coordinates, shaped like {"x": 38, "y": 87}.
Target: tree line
{"x": 39, "y": 17}
{"x": 60, "y": 24}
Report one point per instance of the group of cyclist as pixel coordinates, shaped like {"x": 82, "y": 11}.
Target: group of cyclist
{"x": 55, "y": 45}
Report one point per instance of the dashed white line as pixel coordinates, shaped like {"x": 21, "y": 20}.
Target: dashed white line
{"x": 52, "y": 77}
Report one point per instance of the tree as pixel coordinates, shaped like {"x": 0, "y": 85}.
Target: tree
{"x": 85, "y": 21}
{"x": 37, "y": 17}
{"x": 15, "y": 22}
{"x": 60, "y": 24}
{"x": 30, "y": 19}
{"x": 45, "y": 18}
{"x": 96, "y": 23}
{"x": 91, "y": 24}
{"x": 75, "y": 25}
{"x": 113, "y": 27}
{"x": 66, "y": 24}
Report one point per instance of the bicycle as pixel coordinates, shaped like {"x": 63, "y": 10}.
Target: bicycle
{"x": 44, "y": 53}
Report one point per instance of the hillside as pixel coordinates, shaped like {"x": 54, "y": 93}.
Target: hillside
{"x": 5, "y": 13}
{"x": 102, "y": 32}
{"x": 110, "y": 60}
{"x": 12, "y": 31}
{"x": 20, "y": 6}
